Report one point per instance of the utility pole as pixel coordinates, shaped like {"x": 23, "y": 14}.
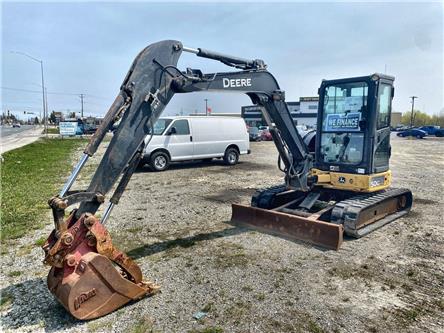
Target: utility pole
{"x": 46, "y": 112}
{"x": 413, "y": 106}
{"x": 43, "y": 82}
{"x": 81, "y": 100}
{"x": 206, "y": 106}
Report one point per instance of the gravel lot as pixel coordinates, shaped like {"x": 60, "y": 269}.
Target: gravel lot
{"x": 175, "y": 225}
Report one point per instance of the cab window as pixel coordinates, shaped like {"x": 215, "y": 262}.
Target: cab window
{"x": 384, "y": 105}
{"x": 181, "y": 127}
{"x": 342, "y": 139}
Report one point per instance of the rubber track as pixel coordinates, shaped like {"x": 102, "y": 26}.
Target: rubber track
{"x": 264, "y": 198}
{"x": 347, "y": 212}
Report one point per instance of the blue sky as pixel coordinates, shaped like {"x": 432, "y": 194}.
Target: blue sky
{"x": 88, "y": 47}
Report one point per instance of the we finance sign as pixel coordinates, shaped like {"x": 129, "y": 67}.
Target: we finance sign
{"x": 346, "y": 122}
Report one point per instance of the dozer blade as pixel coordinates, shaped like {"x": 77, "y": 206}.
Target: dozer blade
{"x": 308, "y": 229}
{"x": 89, "y": 276}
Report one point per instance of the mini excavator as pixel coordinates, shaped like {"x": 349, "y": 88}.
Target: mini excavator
{"x": 336, "y": 179}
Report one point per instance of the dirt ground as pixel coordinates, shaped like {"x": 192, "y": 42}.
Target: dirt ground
{"x": 174, "y": 224}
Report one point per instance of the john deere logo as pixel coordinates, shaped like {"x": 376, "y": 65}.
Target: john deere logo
{"x": 341, "y": 180}
{"x": 83, "y": 297}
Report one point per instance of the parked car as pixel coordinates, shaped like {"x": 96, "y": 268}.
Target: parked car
{"x": 266, "y": 135}
{"x": 177, "y": 139}
{"x": 429, "y": 129}
{"x": 399, "y": 128}
{"x": 255, "y": 134}
{"x": 413, "y": 132}
{"x": 88, "y": 129}
{"x": 261, "y": 128}
{"x": 16, "y": 125}
{"x": 439, "y": 132}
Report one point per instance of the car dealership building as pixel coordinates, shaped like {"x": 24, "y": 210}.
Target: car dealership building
{"x": 303, "y": 112}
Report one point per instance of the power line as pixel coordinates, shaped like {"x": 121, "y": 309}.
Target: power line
{"x": 38, "y": 92}
{"x": 55, "y": 93}
{"x": 98, "y": 97}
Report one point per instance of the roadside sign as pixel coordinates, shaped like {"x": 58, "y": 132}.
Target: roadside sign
{"x": 67, "y": 128}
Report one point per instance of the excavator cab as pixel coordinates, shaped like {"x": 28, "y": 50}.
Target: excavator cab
{"x": 353, "y": 128}
{"x": 349, "y": 177}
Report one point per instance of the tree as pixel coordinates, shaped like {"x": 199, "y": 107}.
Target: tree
{"x": 52, "y": 117}
{"x": 421, "y": 119}
{"x": 36, "y": 121}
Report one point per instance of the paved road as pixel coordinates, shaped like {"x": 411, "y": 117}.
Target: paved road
{"x": 12, "y": 138}
{"x": 8, "y": 130}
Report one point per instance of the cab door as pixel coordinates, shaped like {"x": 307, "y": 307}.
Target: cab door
{"x": 179, "y": 141}
{"x": 382, "y": 147}
{"x": 343, "y": 113}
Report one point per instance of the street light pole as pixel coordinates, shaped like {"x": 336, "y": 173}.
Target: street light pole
{"x": 43, "y": 87}
{"x": 81, "y": 100}
{"x": 413, "y": 105}
{"x": 206, "y": 106}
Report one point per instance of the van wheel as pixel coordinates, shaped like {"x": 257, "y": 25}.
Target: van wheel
{"x": 231, "y": 156}
{"x": 159, "y": 161}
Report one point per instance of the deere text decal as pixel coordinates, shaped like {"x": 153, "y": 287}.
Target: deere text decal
{"x": 343, "y": 122}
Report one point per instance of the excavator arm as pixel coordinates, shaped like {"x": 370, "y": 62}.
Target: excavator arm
{"x": 79, "y": 249}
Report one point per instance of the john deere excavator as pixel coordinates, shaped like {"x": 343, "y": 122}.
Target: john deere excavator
{"x": 336, "y": 180}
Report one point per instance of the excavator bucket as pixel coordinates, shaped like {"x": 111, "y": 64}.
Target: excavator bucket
{"x": 293, "y": 227}
{"x": 89, "y": 276}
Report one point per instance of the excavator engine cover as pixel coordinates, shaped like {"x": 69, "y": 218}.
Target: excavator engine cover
{"x": 89, "y": 276}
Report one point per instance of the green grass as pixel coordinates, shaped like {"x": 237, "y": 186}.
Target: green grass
{"x": 30, "y": 175}
{"x": 143, "y": 325}
{"x": 14, "y": 273}
{"x": 5, "y": 300}
{"x": 40, "y": 241}
{"x": 212, "y": 329}
{"x": 53, "y": 130}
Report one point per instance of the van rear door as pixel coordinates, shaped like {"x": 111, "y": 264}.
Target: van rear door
{"x": 178, "y": 140}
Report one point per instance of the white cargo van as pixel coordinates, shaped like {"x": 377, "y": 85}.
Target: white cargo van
{"x": 196, "y": 138}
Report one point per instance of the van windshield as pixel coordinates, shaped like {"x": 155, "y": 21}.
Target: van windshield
{"x": 160, "y": 125}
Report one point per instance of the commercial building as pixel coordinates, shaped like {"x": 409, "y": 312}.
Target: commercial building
{"x": 395, "y": 119}
{"x": 304, "y": 112}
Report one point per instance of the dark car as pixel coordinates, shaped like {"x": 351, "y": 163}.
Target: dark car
{"x": 417, "y": 133}
{"x": 89, "y": 130}
{"x": 255, "y": 134}
{"x": 439, "y": 132}
{"x": 429, "y": 129}
{"x": 266, "y": 135}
